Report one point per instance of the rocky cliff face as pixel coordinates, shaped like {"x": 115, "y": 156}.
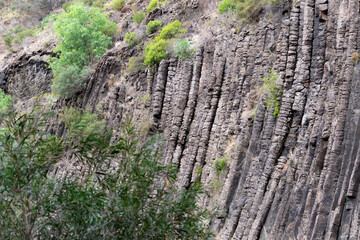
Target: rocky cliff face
{"x": 294, "y": 176}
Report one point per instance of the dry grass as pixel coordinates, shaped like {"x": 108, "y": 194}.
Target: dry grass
{"x": 355, "y": 57}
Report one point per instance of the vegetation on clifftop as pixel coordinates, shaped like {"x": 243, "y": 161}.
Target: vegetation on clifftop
{"x": 244, "y": 9}
{"x": 84, "y": 35}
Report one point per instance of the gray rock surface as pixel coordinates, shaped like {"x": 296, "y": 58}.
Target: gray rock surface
{"x": 295, "y": 176}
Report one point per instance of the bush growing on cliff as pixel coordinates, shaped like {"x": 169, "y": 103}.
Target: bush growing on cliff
{"x": 121, "y": 200}
{"x": 135, "y": 64}
{"x": 84, "y": 35}
{"x": 183, "y": 50}
{"x": 138, "y": 17}
{"x": 245, "y": 9}
{"x": 152, "y": 26}
{"x": 155, "y": 51}
{"x": 154, "y": 4}
{"x": 81, "y": 33}
{"x": 171, "y": 30}
{"x": 18, "y": 34}
{"x": 130, "y": 38}
{"x": 226, "y": 6}
{"x": 69, "y": 80}
{"x": 118, "y": 4}
{"x": 273, "y": 91}
{"x": 5, "y": 102}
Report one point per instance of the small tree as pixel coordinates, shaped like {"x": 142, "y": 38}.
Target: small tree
{"x": 83, "y": 34}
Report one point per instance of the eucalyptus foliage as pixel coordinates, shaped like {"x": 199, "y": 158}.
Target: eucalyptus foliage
{"x": 124, "y": 192}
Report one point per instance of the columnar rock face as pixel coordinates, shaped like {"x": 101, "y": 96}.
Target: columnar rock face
{"x": 27, "y": 75}
{"x": 294, "y": 176}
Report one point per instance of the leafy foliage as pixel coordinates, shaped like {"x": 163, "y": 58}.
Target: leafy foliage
{"x": 82, "y": 124}
{"x": 49, "y": 19}
{"x": 84, "y": 35}
{"x": 183, "y": 50}
{"x": 245, "y": 9}
{"x": 171, "y": 30}
{"x": 154, "y": 4}
{"x": 5, "y": 102}
{"x": 226, "y": 6}
{"x": 220, "y": 165}
{"x": 155, "y": 51}
{"x": 69, "y": 80}
{"x": 94, "y": 3}
{"x": 118, "y": 4}
{"x": 138, "y": 17}
{"x": 81, "y": 32}
{"x": 18, "y": 34}
{"x": 152, "y": 26}
{"x": 273, "y": 92}
{"x": 135, "y": 64}
{"x": 130, "y": 38}
{"x": 121, "y": 200}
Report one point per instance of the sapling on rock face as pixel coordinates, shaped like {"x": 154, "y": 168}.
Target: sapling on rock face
{"x": 273, "y": 92}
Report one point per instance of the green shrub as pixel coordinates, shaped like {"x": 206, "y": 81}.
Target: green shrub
{"x": 18, "y": 34}
{"x": 244, "y": 9}
{"x": 49, "y": 19}
{"x": 5, "y": 102}
{"x": 116, "y": 195}
{"x": 135, "y": 64}
{"x": 130, "y": 38}
{"x": 98, "y": 3}
{"x": 226, "y": 6}
{"x": 138, "y": 17}
{"x": 8, "y": 40}
{"x": 69, "y": 80}
{"x": 154, "y": 4}
{"x": 118, "y": 4}
{"x": 66, "y": 6}
{"x": 81, "y": 33}
{"x": 94, "y": 3}
{"x": 183, "y": 50}
{"x": 220, "y": 165}
{"x": 155, "y": 52}
{"x": 273, "y": 92}
{"x": 171, "y": 30}
{"x": 152, "y": 26}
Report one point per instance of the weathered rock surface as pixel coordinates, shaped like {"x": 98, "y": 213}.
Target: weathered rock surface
{"x": 27, "y": 75}
{"x": 295, "y": 176}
